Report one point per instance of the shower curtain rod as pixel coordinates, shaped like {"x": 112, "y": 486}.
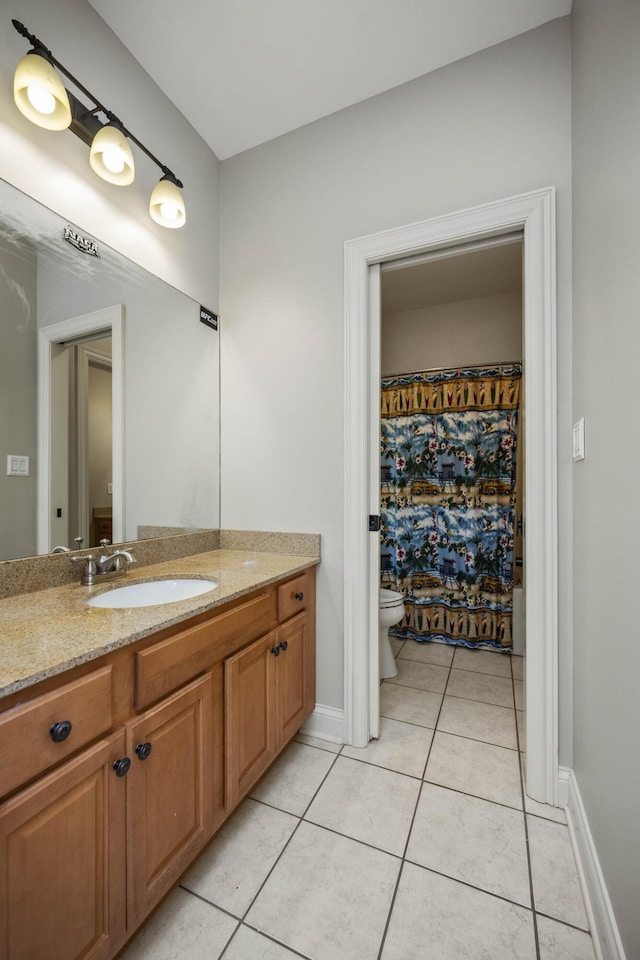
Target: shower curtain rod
{"x": 457, "y": 366}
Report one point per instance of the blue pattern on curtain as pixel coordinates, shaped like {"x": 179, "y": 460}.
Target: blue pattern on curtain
{"x": 448, "y": 473}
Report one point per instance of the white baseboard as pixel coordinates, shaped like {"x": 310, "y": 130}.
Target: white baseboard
{"x": 604, "y": 929}
{"x": 326, "y": 723}
{"x": 563, "y": 786}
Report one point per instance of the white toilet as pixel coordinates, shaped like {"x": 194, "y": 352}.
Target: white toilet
{"x": 391, "y": 612}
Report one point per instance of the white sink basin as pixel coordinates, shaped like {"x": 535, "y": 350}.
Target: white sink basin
{"x": 152, "y": 593}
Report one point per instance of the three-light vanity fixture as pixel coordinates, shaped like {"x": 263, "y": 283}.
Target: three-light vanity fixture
{"x": 41, "y": 96}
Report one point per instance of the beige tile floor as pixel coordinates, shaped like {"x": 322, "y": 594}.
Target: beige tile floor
{"x": 423, "y": 845}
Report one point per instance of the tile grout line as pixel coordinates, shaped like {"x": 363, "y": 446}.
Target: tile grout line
{"x": 242, "y": 919}
{"x": 293, "y": 833}
{"x": 425, "y": 726}
{"x": 404, "y": 856}
{"x": 474, "y": 796}
{"x": 470, "y": 886}
{"x": 393, "y": 902}
{"x": 565, "y": 923}
{"x": 526, "y": 826}
{"x": 444, "y": 693}
{"x": 403, "y": 859}
{"x": 267, "y": 936}
{"x": 415, "y": 810}
{"x": 490, "y": 703}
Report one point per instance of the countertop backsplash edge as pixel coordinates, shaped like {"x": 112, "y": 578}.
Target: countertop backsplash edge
{"x": 33, "y": 574}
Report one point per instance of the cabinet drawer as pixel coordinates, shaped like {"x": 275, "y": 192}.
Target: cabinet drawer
{"x": 27, "y": 747}
{"x": 172, "y": 662}
{"x": 294, "y": 596}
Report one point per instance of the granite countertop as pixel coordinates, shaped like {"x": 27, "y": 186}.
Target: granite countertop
{"x": 45, "y": 633}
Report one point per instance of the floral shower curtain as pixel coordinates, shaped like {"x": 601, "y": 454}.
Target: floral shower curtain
{"x": 448, "y": 475}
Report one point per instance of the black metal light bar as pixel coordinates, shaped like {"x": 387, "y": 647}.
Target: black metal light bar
{"x": 84, "y": 122}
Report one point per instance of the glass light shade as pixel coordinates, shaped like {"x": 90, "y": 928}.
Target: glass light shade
{"x": 39, "y": 93}
{"x": 166, "y": 205}
{"x": 111, "y": 157}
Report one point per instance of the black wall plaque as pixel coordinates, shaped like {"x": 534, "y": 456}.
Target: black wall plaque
{"x": 208, "y": 317}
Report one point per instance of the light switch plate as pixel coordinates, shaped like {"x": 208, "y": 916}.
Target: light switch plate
{"x": 578, "y": 440}
{"x": 17, "y": 466}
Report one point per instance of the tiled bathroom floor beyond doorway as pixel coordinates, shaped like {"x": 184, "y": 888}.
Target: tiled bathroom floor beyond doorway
{"x": 420, "y": 847}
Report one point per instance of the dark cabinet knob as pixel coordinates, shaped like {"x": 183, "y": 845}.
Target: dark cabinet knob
{"x": 121, "y": 767}
{"x": 143, "y": 750}
{"x": 275, "y": 651}
{"x": 300, "y": 596}
{"x": 284, "y": 645}
{"x": 60, "y": 731}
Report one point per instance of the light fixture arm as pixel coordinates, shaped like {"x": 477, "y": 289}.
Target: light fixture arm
{"x": 39, "y": 48}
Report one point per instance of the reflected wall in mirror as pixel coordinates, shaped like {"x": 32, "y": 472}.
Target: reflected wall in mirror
{"x": 168, "y": 460}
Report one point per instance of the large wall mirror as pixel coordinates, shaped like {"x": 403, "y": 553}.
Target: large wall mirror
{"x": 109, "y": 393}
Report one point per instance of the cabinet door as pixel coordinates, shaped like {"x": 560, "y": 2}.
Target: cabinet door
{"x": 249, "y": 728}
{"x": 63, "y": 855}
{"x": 169, "y": 792}
{"x": 291, "y": 676}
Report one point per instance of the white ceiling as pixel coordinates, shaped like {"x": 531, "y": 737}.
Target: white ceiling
{"x": 245, "y": 71}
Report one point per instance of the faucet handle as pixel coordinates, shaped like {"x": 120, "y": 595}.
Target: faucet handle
{"x": 90, "y": 570}
{"x": 105, "y": 542}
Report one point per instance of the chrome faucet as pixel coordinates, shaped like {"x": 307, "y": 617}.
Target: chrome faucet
{"x": 106, "y": 567}
{"x": 113, "y": 562}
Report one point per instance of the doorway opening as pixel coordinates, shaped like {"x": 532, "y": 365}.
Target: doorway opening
{"x": 81, "y": 459}
{"x": 533, "y": 215}
{"x": 451, "y": 473}
{"x": 81, "y": 431}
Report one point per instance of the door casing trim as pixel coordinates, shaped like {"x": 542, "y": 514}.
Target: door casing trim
{"x": 534, "y": 214}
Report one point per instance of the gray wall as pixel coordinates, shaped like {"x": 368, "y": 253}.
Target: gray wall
{"x": 462, "y": 333}
{"x": 488, "y": 127}
{"x": 606, "y": 289}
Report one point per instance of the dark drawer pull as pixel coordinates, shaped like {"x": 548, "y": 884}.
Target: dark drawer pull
{"x": 284, "y": 644}
{"x": 121, "y": 767}
{"x": 60, "y": 731}
{"x": 275, "y": 651}
{"x": 143, "y": 750}
{"x": 300, "y": 596}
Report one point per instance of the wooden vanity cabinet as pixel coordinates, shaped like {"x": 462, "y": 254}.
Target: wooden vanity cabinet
{"x": 118, "y": 815}
{"x": 169, "y": 792}
{"x": 293, "y": 689}
{"x": 249, "y": 730}
{"x": 63, "y": 856}
{"x": 269, "y": 691}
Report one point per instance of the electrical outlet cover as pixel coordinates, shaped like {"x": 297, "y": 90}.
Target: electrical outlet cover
{"x": 578, "y": 440}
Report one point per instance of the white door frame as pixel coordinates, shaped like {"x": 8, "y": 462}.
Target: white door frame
{"x": 534, "y": 214}
{"x": 105, "y": 320}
